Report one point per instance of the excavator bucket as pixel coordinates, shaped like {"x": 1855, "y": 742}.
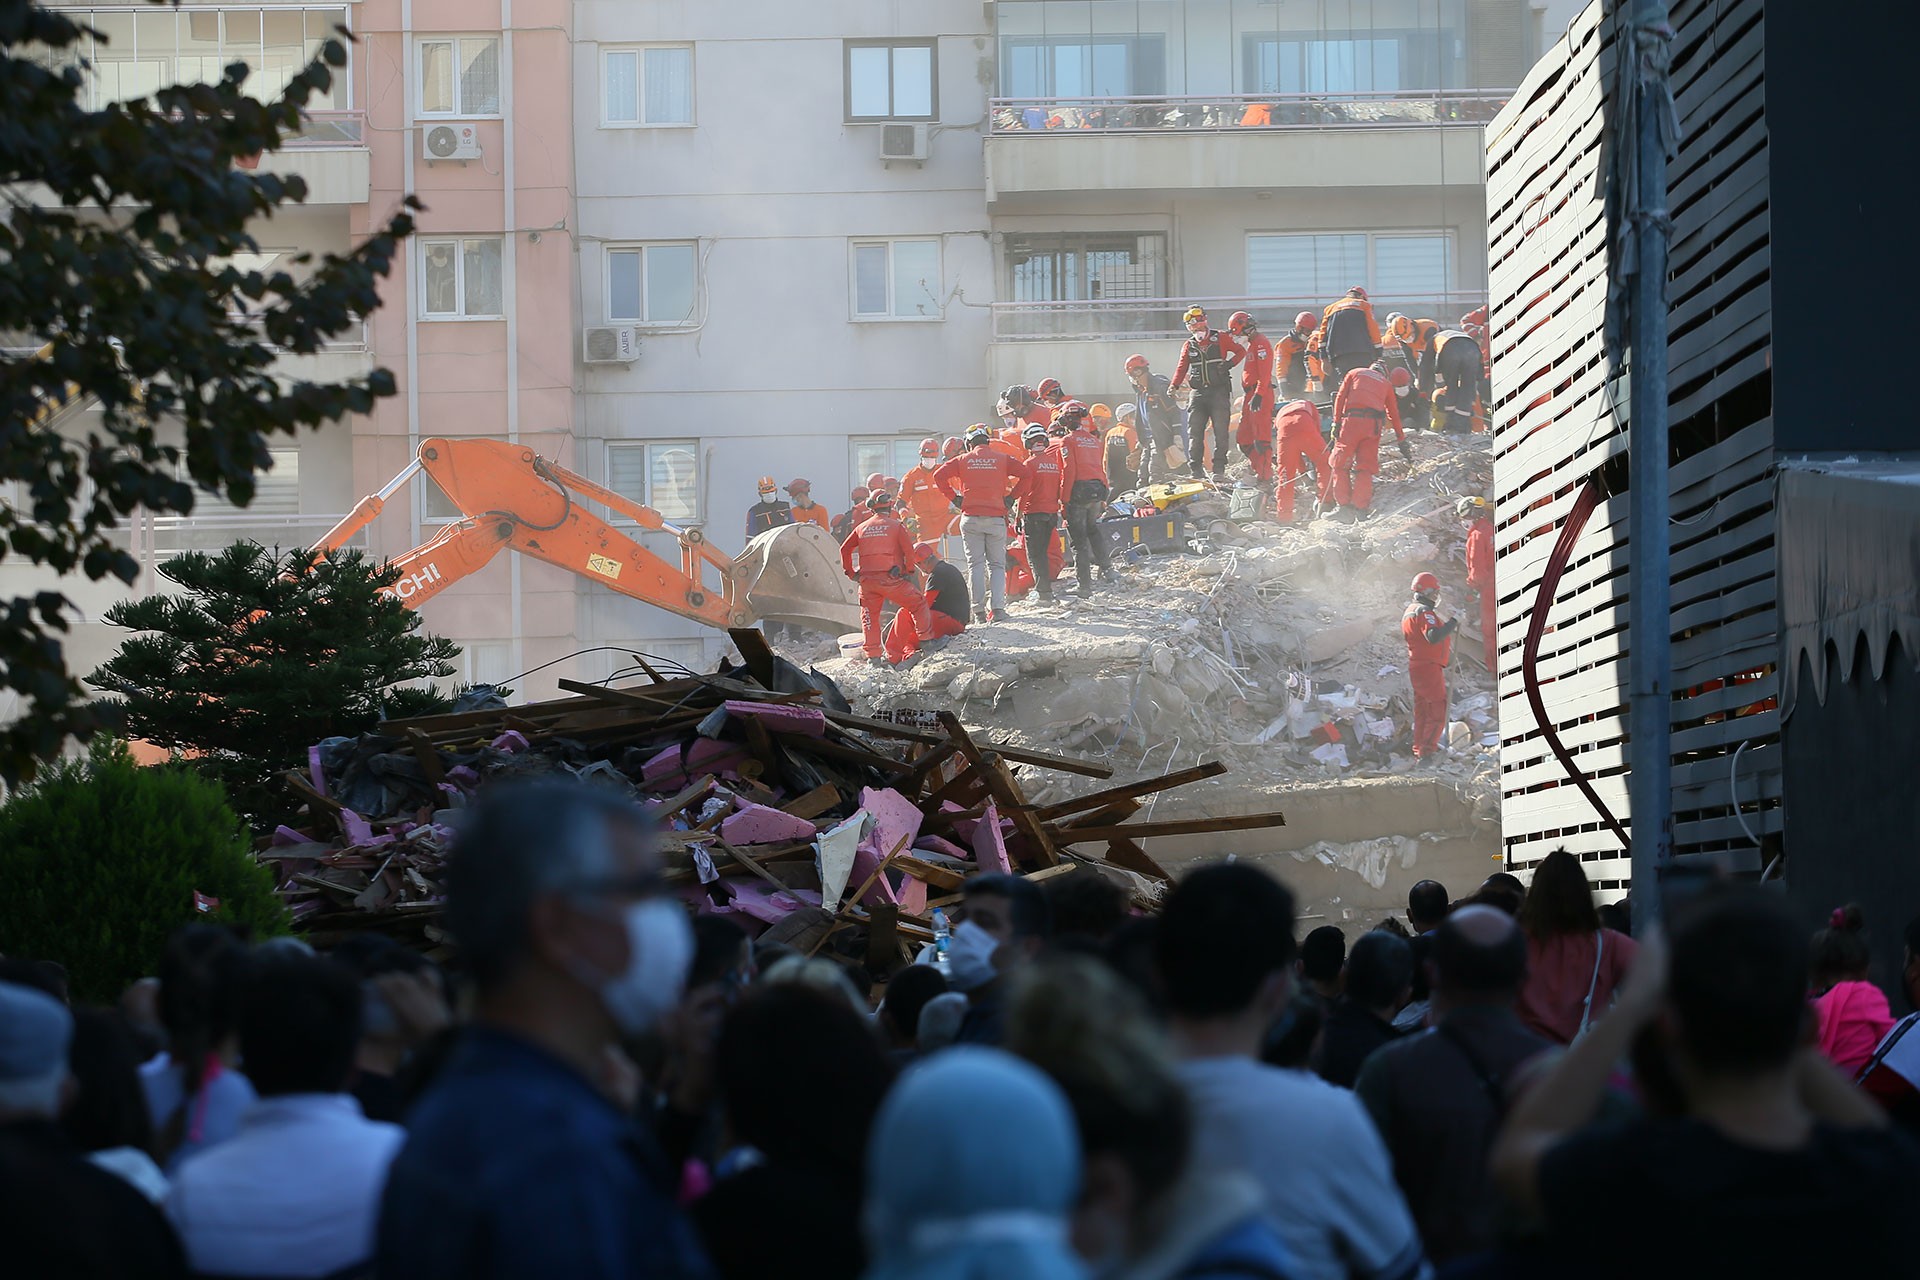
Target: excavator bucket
{"x": 792, "y": 574}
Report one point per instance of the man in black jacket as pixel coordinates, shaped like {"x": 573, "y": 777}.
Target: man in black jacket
{"x": 1379, "y": 977}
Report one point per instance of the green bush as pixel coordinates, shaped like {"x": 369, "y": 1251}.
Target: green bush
{"x": 100, "y": 859}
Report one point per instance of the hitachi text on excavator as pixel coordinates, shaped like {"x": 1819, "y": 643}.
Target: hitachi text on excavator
{"x": 510, "y": 497}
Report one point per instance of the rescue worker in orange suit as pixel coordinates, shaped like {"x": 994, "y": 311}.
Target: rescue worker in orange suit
{"x": 1366, "y": 401}
{"x": 921, "y": 501}
{"x": 879, "y": 556}
{"x": 1461, "y": 392}
{"x": 1255, "y": 433}
{"x": 1208, "y": 357}
{"x": 980, "y": 484}
{"x": 846, "y": 523}
{"x": 1349, "y": 336}
{"x": 1480, "y": 570}
{"x": 1422, "y": 343}
{"x": 1042, "y": 490}
{"x": 1084, "y": 480}
{"x": 1291, "y": 364}
{"x": 1429, "y": 640}
{"x": 1050, "y": 393}
{"x": 1301, "y": 443}
{"x": 946, "y": 591}
{"x": 1026, "y": 406}
{"x": 805, "y": 509}
{"x": 769, "y": 512}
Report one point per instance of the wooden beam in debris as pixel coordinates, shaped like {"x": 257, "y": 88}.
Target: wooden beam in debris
{"x": 1145, "y": 787}
{"x": 1176, "y": 827}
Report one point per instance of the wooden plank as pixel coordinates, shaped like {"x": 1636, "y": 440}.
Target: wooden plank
{"x": 924, "y": 767}
{"x": 755, "y": 652}
{"x": 1148, "y": 786}
{"x": 1171, "y": 827}
{"x": 813, "y": 803}
{"x": 1127, "y": 854}
{"x": 840, "y": 751}
{"x": 1000, "y": 784}
{"x": 932, "y": 873}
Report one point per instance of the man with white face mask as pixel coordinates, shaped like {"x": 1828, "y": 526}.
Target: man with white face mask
{"x": 1005, "y": 921}
{"x": 517, "y": 1161}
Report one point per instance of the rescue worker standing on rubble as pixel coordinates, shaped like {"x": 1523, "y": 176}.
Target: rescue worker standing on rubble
{"x": 1349, "y": 336}
{"x": 1042, "y": 487}
{"x": 879, "y": 557}
{"x": 805, "y": 509}
{"x": 946, "y": 590}
{"x": 1429, "y": 640}
{"x": 1050, "y": 393}
{"x": 1292, "y": 365}
{"x": 923, "y": 503}
{"x": 979, "y": 484}
{"x": 769, "y": 513}
{"x": 1084, "y": 478}
{"x": 1156, "y": 416}
{"x": 849, "y": 521}
{"x": 1255, "y": 434}
{"x": 1301, "y": 443}
{"x": 1208, "y": 358}
{"x": 1462, "y": 385}
{"x": 1480, "y": 571}
{"x": 1365, "y": 403}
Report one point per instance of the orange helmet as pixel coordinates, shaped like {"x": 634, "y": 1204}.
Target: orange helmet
{"x": 1305, "y": 321}
{"x": 1425, "y": 583}
{"x": 767, "y": 485}
{"x": 1135, "y": 363}
{"x": 1050, "y": 390}
{"x": 1400, "y": 327}
{"x": 1357, "y": 292}
{"x": 929, "y": 448}
{"x": 1239, "y": 322}
{"x": 1101, "y": 413}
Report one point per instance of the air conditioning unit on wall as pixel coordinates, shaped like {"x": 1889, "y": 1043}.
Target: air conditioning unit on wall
{"x": 613, "y": 344}
{"x": 450, "y": 142}
{"x": 906, "y": 142}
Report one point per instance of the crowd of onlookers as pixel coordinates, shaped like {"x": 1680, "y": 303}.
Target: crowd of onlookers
{"x": 601, "y": 1084}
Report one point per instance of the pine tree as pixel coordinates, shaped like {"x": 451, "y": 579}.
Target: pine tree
{"x": 262, "y": 656}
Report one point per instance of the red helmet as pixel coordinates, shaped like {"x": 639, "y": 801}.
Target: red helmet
{"x": 890, "y": 483}
{"x": 1069, "y": 413}
{"x": 860, "y": 493}
{"x": 1050, "y": 390}
{"x": 1306, "y": 320}
{"x": 1239, "y": 322}
{"x": 881, "y": 500}
{"x": 953, "y": 448}
{"x": 1401, "y": 380}
{"x": 1357, "y": 292}
{"x": 929, "y": 448}
{"x": 1136, "y": 363}
{"x": 922, "y": 552}
{"x": 877, "y": 480}
{"x": 1425, "y": 583}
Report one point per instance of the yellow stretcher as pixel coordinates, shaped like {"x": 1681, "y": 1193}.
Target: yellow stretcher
{"x": 1163, "y": 496}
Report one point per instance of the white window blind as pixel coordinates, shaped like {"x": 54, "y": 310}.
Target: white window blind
{"x": 1412, "y": 266}
{"x": 1305, "y": 266}
{"x": 662, "y": 474}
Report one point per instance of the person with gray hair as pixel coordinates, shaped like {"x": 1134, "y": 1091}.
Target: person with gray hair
{"x": 60, "y": 1214}
{"x": 517, "y": 1162}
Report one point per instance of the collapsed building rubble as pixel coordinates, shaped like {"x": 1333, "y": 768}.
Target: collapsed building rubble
{"x": 811, "y": 825}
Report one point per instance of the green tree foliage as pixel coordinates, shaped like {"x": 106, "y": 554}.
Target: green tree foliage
{"x": 116, "y": 265}
{"x": 264, "y": 655}
{"x": 101, "y": 859}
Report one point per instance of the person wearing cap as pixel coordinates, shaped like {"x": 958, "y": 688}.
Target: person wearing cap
{"x": 947, "y": 605}
{"x": 845, "y": 523}
{"x": 60, "y": 1213}
{"x": 769, "y": 513}
{"x": 878, "y": 555}
{"x": 1429, "y": 640}
{"x": 804, "y": 509}
{"x": 1479, "y": 515}
{"x": 981, "y": 484}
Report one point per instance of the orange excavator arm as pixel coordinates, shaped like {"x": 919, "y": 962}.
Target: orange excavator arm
{"x": 511, "y": 497}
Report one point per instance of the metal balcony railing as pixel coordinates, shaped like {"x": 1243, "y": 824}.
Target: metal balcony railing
{"x": 1115, "y": 318}
{"x": 153, "y": 538}
{"x": 1221, "y": 113}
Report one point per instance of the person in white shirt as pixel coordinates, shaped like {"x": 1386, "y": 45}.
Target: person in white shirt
{"x": 296, "y": 1192}
{"x": 1224, "y": 951}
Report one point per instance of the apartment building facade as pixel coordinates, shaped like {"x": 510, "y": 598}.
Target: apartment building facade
{"x": 678, "y": 247}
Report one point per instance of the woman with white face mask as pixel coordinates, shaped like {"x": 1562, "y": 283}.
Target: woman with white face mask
{"x": 1143, "y": 1212}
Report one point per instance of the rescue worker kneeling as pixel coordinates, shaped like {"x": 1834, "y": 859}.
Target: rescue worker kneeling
{"x": 980, "y": 484}
{"x": 884, "y": 552}
{"x": 1366, "y": 401}
{"x": 1459, "y": 403}
{"x": 1301, "y": 444}
{"x": 946, "y": 591}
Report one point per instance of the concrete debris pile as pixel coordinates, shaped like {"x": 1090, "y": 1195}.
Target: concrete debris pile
{"x": 1276, "y": 648}
{"x": 777, "y": 805}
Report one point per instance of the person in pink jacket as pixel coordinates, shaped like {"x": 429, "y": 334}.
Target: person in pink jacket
{"x": 1573, "y": 965}
{"x": 1853, "y": 1012}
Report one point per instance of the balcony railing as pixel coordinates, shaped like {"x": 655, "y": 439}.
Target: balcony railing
{"x": 1220, "y": 113}
{"x": 1115, "y": 318}
{"x": 319, "y": 129}
{"x": 152, "y": 538}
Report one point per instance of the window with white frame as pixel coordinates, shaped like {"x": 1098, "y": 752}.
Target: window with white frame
{"x": 132, "y": 52}
{"x": 896, "y": 280}
{"x": 662, "y": 474}
{"x": 486, "y": 661}
{"x": 652, "y": 283}
{"x": 276, "y": 491}
{"x": 435, "y": 506}
{"x": 891, "y": 79}
{"x": 460, "y": 278}
{"x": 457, "y": 75}
{"x": 1314, "y": 266}
{"x": 889, "y": 455}
{"x": 648, "y": 85}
